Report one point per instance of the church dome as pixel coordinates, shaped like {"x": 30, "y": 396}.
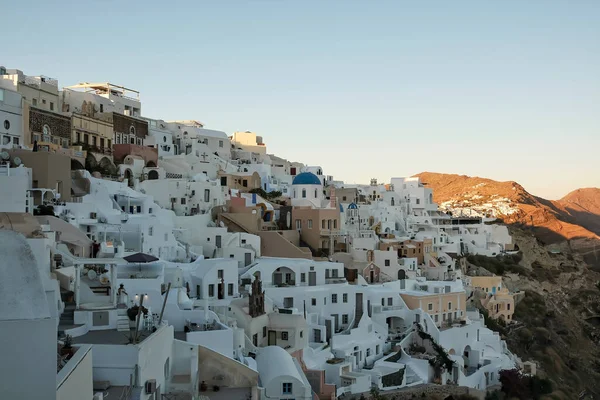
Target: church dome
{"x": 306, "y": 178}
{"x": 352, "y": 206}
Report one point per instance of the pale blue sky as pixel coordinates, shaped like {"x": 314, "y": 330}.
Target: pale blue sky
{"x": 507, "y": 90}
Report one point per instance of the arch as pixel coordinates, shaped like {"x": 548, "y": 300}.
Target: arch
{"x": 284, "y": 276}
{"x": 393, "y": 202}
{"x": 151, "y": 164}
{"x": 401, "y": 274}
{"x": 303, "y": 193}
{"x": 153, "y": 174}
{"x": 396, "y": 325}
{"x": 76, "y": 165}
{"x": 129, "y": 176}
{"x": 452, "y": 352}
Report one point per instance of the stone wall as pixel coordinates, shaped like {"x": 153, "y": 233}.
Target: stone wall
{"x": 123, "y": 123}
{"x": 59, "y": 125}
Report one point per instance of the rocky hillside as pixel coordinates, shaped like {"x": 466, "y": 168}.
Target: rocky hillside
{"x": 558, "y": 322}
{"x": 573, "y": 221}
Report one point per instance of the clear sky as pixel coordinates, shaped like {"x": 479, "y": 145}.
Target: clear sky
{"x": 508, "y": 90}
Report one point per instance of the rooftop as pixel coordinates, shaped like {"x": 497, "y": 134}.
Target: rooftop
{"x": 110, "y": 336}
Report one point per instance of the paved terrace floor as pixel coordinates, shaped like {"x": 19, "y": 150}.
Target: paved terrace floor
{"x": 110, "y": 336}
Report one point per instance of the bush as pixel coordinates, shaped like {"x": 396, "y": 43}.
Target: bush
{"x": 517, "y": 385}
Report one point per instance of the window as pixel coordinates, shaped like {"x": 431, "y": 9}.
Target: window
{"x": 264, "y": 331}
{"x": 34, "y": 102}
{"x": 6, "y": 124}
{"x": 313, "y": 301}
{"x": 220, "y": 274}
{"x": 183, "y": 200}
{"x": 310, "y": 224}
{"x": 245, "y": 183}
{"x": 211, "y": 290}
{"x": 298, "y": 224}
{"x": 206, "y": 195}
{"x": 150, "y": 230}
{"x": 345, "y": 297}
{"x": 323, "y": 224}
{"x": 43, "y": 101}
{"x": 303, "y": 193}
{"x": 435, "y": 318}
{"x": 508, "y": 306}
{"x": 220, "y": 143}
{"x": 449, "y": 305}
{"x": 430, "y": 306}
{"x": 344, "y": 198}
{"x": 101, "y": 107}
{"x": 287, "y": 388}
{"x": 51, "y": 106}
{"x": 316, "y": 193}
{"x": 383, "y": 302}
{"x": 302, "y": 277}
{"x": 368, "y": 352}
{"x": 284, "y": 335}
{"x": 387, "y": 263}
{"x": 166, "y": 237}
{"x": 230, "y": 289}
{"x": 334, "y": 298}
{"x": 390, "y": 301}
{"x": 255, "y": 339}
{"x": 132, "y": 130}
{"x": 344, "y": 318}
{"x": 377, "y": 349}
{"x": 335, "y": 224}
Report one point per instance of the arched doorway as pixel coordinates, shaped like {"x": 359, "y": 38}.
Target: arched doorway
{"x": 151, "y": 164}
{"x": 129, "y": 176}
{"x": 153, "y": 175}
{"x": 401, "y": 274}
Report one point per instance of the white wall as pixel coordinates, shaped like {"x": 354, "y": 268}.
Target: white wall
{"x": 28, "y": 349}
{"x": 220, "y": 341}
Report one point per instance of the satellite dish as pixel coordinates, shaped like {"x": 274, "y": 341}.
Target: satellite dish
{"x": 92, "y": 274}
{"x": 4, "y": 155}
{"x": 17, "y": 161}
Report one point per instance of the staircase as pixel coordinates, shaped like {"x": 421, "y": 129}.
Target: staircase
{"x": 411, "y": 377}
{"x": 122, "y": 320}
{"x": 67, "y": 317}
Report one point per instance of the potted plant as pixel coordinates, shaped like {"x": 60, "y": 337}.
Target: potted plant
{"x": 67, "y": 348}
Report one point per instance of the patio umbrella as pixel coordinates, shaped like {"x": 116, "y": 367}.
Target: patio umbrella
{"x": 140, "y": 258}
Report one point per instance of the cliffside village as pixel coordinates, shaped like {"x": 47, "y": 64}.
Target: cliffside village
{"x": 151, "y": 259}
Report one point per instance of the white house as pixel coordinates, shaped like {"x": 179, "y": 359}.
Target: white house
{"x": 281, "y": 376}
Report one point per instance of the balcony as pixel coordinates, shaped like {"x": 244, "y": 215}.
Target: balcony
{"x": 331, "y": 232}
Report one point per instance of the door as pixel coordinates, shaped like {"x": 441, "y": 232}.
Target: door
{"x": 371, "y": 276}
{"x": 277, "y": 278}
{"x": 317, "y": 335}
{"x": 312, "y": 278}
{"x": 272, "y": 338}
{"x": 247, "y": 259}
{"x": 218, "y": 241}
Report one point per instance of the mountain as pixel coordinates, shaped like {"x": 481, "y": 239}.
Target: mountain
{"x": 574, "y": 219}
{"x": 583, "y": 206}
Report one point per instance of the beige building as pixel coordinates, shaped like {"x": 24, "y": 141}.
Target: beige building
{"x": 498, "y": 300}
{"x": 241, "y": 181}
{"x": 319, "y": 227}
{"x": 92, "y": 134}
{"x": 38, "y": 91}
{"x": 444, "y": 308}
{"x": 50, "y": 171}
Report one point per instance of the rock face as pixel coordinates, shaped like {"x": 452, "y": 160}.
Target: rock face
{"x": 573, "y": 220}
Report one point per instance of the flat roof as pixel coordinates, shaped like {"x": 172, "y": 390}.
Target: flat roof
{"x": 110, "y": 336}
